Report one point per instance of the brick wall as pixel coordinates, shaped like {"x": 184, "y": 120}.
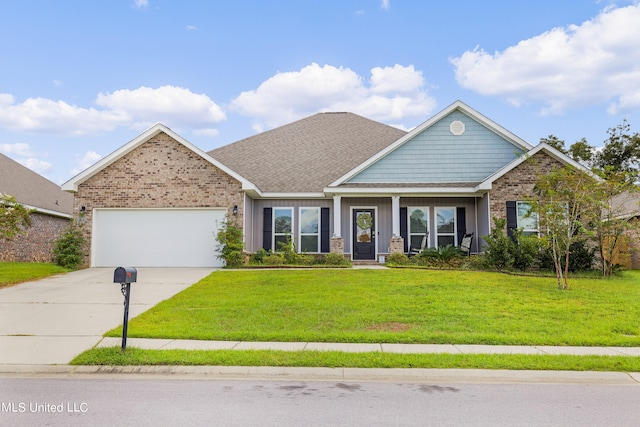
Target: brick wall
{"x": 161, "y": 173}
{"x": 518, "y": 183}
{"x": 37, "y": 245}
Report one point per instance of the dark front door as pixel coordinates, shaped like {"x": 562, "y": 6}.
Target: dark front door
{"x": 364, "y": 234}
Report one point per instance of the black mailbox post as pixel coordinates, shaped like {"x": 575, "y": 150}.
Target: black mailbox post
{"x": 125, "y": 276}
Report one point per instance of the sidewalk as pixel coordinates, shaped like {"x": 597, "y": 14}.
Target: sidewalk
{"x": 170, "y": 344}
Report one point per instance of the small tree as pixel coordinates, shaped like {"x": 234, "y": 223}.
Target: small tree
{"x": 230, "y": 244}
{"x": 68, "y": 249}
{"x": 14, "y": 217}
{"x": 565, "y": 201}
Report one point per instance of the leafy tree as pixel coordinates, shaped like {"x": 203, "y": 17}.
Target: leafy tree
{"x": 565, "y": 201}
{"x": 621, "y": 152}
{"x": 582, "y": 152}
{"x": 555, "y": 142}
{"x": 14, "y": 217}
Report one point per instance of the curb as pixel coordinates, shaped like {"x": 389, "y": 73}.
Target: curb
{"x": 324, "y": 374}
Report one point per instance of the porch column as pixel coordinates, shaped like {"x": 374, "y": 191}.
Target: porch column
{"x": 337, "y": 212}
{"x": 395, "y": 216}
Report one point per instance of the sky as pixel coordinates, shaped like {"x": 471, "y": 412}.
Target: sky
{"x": 79, "y": 78}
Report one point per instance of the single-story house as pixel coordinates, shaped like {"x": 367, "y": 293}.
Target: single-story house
{"x": 52, "y": 209}
{"x": 333, "y": 182}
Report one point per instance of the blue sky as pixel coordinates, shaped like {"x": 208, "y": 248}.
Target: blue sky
{"x": 78, "y": 79}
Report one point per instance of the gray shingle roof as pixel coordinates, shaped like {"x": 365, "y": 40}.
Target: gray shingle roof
{"x": 309, "y": 154}
{"x": 31, "y": 189}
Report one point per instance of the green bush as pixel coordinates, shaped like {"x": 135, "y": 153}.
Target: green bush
{"x": 68, "y": 249}
{"x": 397, "y": 259}
{"x": 581, "y": 258}
{"x": 499, "y": 250}
{"x": 335, "y": 259}
{"x": 230, "y": 244}
{"x": 273, "y": 259}
{"x": 525, "y": 250}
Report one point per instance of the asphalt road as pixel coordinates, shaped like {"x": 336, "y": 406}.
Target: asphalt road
{"x": 194, "y": 402}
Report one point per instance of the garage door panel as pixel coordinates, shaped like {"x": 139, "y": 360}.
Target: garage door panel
{"x": 156, "y": 237}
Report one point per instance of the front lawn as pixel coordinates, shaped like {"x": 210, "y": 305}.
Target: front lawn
{"x": 401, "y": 306}
{"x": 18, "y": 272}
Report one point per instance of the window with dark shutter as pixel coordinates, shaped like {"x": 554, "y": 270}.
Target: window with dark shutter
{"x": 512, "y": 217}
{"x": 267, "y": 228}
{"x": 325, "y": 236}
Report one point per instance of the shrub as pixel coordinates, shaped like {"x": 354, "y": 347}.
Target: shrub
{"x": 259, "y": 256}
{"x": 397, "y": 259}
{"x": 230, "y": 244}
{"x": 69, "y": 247}
{"x": 581, "y": 258}
{"x": 499, "y": 251}
{"x": 525, "y": 250}
{"x": 335, "y": 259}
{"x": 273, "y": 259}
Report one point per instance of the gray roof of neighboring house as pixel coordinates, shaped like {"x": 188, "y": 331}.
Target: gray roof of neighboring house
{"x": 31, "y": 189}
{"x": 309, "y": 154}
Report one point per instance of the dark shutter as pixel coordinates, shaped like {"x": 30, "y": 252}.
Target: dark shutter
{"x": 512, "y": 218}
{"x": 267, "y": 228}
{"x": 325, "y": 237}
{"x": 404, "y": 230}
{"x": 461, "y": 218}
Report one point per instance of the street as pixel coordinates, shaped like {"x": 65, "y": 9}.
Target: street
{"x": 68, "y": 401}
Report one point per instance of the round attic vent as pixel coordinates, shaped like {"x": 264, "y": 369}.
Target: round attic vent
{"x": 456, "y": 127}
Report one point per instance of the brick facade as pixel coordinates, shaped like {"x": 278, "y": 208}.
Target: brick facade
{"x": 160, "y": 173}
{"x": 37, "y": 244}
{"x": 518, "y": 183}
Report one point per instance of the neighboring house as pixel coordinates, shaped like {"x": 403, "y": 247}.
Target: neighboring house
{"x": 626, "y": 207}
{"x": 334, "y": 182}
{"x": 52, "y": 212}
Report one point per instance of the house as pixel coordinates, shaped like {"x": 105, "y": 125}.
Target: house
{"x": 51, "y": 214}
{"x": 333, "y": 182}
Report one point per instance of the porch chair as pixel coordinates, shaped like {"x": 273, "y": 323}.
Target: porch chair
{"x": 414, "y": 250}
{"x": 465, "y": 243}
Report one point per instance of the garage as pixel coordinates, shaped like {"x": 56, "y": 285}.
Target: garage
{"x": 156, "y": 237}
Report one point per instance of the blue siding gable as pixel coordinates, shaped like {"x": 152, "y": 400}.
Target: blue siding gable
{"x": 435, "y": 155}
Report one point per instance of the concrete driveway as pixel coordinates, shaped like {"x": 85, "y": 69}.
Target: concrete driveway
{"x": 50, "y": 321}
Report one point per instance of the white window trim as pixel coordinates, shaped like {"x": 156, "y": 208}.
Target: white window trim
{"x": 455, "y": 224}
{"x": 300, "y": 233}
{"x": 273, "y": 226}
{"x": 409, "y": 233}
{"x": 527, "y": 231}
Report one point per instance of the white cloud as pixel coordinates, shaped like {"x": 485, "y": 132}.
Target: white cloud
{"x": 564, "y": 68}
{"x": 171, "y": 105}
{"x": 395, "y": 93}
{"x": 139, "y": 108}
{"x": 19, "y": 149}
{"x": 82, "y": 163}
{"x": 38, "y": 166}
{"x": 139, "y": 4}
{"x": 384, "y": 4}
{"x": 192, "y": 28}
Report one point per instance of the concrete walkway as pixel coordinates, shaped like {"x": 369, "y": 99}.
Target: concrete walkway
{"x": 170, "y": 344}
{"x": 52, "y": 320}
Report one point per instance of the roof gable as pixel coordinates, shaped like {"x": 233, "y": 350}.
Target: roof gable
{"x": 440, "y": 150}
{"x": 73, "y": 183}
{"x": 33, "y": 190}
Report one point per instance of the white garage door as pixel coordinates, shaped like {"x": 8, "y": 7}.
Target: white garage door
{"x": 156, "y": 237}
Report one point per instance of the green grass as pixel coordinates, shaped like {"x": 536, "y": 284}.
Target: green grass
{"x": 114, "y": 356}
{"x": 12, "y": 273}
{"x": 398, "y": 306}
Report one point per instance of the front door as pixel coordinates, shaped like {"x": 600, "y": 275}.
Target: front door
{"x": 364, "y": 234}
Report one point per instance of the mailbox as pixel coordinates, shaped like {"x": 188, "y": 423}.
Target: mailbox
{"x": 125, "y": 275}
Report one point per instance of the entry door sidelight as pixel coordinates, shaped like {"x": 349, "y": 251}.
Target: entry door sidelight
{"x": 364, "y": 234}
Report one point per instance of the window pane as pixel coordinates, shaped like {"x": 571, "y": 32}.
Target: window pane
{"x": 526, "y": 221}
{"x": 279, "y": 240}
{"x": 416, "y": 241}
{"x": 283, "y": 220}
{"x": 445, "y": 240}
{"x": 309, "y": 221}
{"x": 417, "y": 220}
{"x": 446, "y": 220}
{"x": 308, "y": 243}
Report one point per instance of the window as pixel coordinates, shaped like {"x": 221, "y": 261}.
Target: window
{"x": 282, "y": 226}
{"x": 418, "y": 225}
{"x": 527, "y": 220}
{"x": 445, "y": 226}
{"x": 309, "y": 230}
